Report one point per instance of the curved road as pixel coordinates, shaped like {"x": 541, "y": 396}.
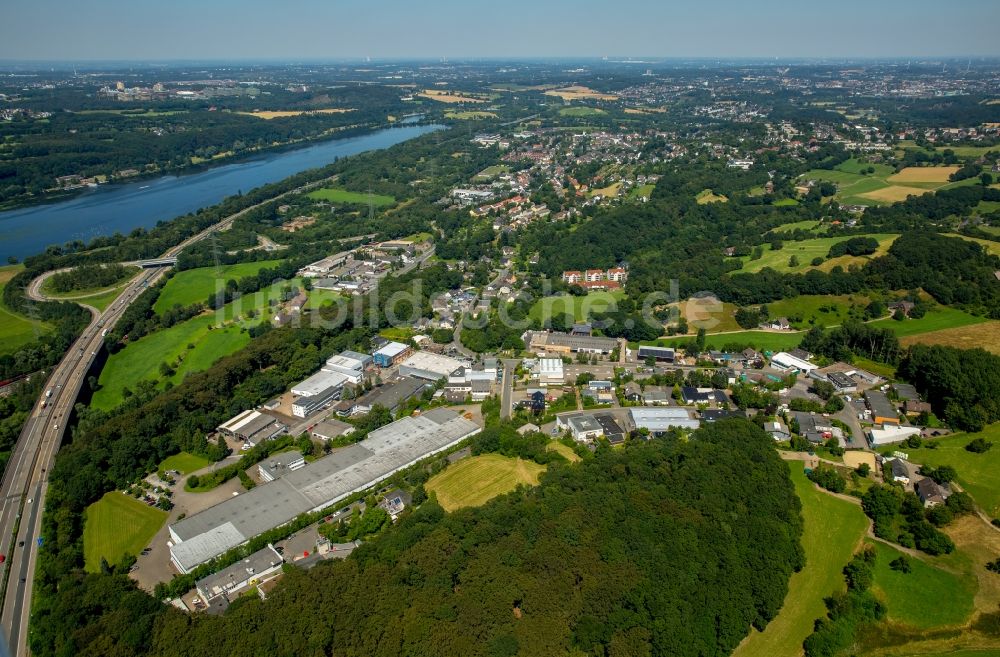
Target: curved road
{"x": 23, "y": 488}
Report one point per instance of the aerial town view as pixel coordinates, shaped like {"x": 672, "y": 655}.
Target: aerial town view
{"x": 437, "y": 329}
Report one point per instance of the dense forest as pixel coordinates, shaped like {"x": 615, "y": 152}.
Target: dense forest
{"x": 665, "y": 547}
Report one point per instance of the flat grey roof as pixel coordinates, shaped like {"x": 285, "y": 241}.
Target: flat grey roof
{"x": 240, "y": 571}
{"x": 211, "y": 532}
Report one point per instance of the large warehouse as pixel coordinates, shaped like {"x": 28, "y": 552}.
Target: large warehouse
{"x": 206, "y": 535}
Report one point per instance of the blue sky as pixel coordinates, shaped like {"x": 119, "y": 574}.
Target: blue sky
{"x": 387, "y": 29}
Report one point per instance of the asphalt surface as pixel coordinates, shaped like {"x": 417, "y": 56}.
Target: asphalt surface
{"x": 23, "y": 488}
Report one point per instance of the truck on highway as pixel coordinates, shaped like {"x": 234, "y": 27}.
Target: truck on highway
{"x": 104, "y": 333}
{"x": 48, "y": 393}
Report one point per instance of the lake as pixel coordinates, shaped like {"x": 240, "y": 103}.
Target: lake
{"x": 121, "y": 208}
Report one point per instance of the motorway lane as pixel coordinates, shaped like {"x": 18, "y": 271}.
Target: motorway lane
{"x": 26, "y": 473}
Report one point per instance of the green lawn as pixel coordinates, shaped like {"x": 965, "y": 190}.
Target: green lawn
{"x": 806, "y": 250}
{"x": 578, "y": 307}
{"x": 642, "y": 190}
{"x": 186, "y": 463}
{"x": 833, "y": 528}
{"x": 810, "y": 225}
{"x": 979, "y": 474}
{"x": 925, "y": 598}
{"x": 762, "y": 340}
{"x": 491, "y": 172}
{"x": 336, "y": 195}
{"x": 936, "y": 319}
{"x": 86, "y": 292}
{"x": 785, "y": 203}
{"x": 115, "y": 525}
{"x": 194, "y": 285}
{"x": 16, "y": 330}
{"x": 141, "y": 360}
{"x": 818, "y": 310}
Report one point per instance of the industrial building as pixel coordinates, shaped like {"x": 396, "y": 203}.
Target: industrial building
{"x": 785, "y": 361}
{"x": 883, "y": 410}
{"x": 391, "y": 353}
{"x": 278, "y": 465}
{"x": 326, "y": 265}
{"x": 549, "y": 371}
{"x": 565, "y": 343}
{"x": 888, "y": 435}
{"x": 430, "y": 366}
{"x": 349, "y": 363}
{"x": 391, "y": 395}
{"x": 252, "y": 427}
{"x": 660, "y": 420}
{"x": 254, "y": 570}
{"x": 659, "y": 354}
{"x": 316, "y": 391}
{"x": 329, "y": 429}
{"x": 316, "y": 486}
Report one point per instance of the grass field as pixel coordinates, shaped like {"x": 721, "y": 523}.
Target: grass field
{"x": 491, "y": 172}
{"x": 642, "y": 190}
{"x": 993, "y": 248}
{"x": 936, "y": 319}
{"x": 578, "y": 92}
{"x": 450, "y": 96}
{"x": 708, "y": 196}
{"x": 763, "y": 340}
{"x": 985, "y": 335}
{"x": 194, "y": 285}
{"x": 611, "y": 191}
{"x": 476, "y": 480}
{"x": 115, "y": 525}
{"x": 925, "y": 598}
{"x": 282, "y": 114}
{"x": 470, "y": 116}
{"x": 818, "y": 310}
{"x": 979, "y": 474}
{"x": 141, "y": 359}
{"x": 810, "y": 225}
{"x": 102, "y": 301}
{"x": 186, "y": 463}
{"x": 569, "y": 454}
{"x": 833, "y": 529}
{"x": 336, "y": 195}
{"x": 856, "y": 186}
{"x": 806, "y": 250}
{"x": 15, "y": 330}
{"x": 581, "y": 111}
{"x": 578, "y": 307}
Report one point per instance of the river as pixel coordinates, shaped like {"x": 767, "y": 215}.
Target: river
{"x": 121, "y": 208}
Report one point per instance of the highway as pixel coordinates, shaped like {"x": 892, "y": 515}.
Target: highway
{"x": 23, "y": 487}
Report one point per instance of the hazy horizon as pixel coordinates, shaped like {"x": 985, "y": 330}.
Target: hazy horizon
{"x": 351, "y": 30}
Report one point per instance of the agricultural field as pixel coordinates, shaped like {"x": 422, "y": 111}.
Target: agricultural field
{"x": 581, "y": 112}
{"x": 708, "y": 196}
{"x": 833, "y": 529}
{"x": 578, "y": 307}
{"x": 763, "y": 340}
{"x": 925, "y": 598}
{"x": 451, "y": 96}
{"x": 960, "y": 151}
{"x": 336, "y": 195}
{"x": 184, "y": 462}
{"x": 470, "y": 116}
{"x": 267, "y": 115}
{"x": 985, "y": 335}
{"x": 857, "y": 187}
{"x": 117, "y": 525}
{"x": 195, "y": 285}
{"x": 476, "y": 480}
{"x": 819, "y": 310}
{"x": 937, "y": 318}
{"x": 979, "y": 474}
{"x": 578, "y": 92}
{"x": 15, "y": 329}
{"x": 806, "y": 250}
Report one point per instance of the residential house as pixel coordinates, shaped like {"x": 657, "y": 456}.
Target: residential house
{"x": 930, "y": 492}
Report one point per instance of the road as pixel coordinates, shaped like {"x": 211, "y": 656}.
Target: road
{"x": 507, "y": 388}
{"x": 23, "y": 488}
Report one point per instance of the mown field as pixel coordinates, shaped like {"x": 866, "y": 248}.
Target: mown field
{"x": 805, "y": 250}
{"x": 936, "y": 319}
{"x": 979, "y": 474}
{"x": 184, "y": 462}
{"x": 581, "y": 111}
{"x": 567, "y": 453}
{"x": 116, "y": 525}
{"x": 985, "y": 335}
{"x": 578, "y": 307}
{"x": 818, "y": 310}
{"x": 476, "y": 480}
{"x": 195, "y": 285}
{"x": 832, "y": 531}
{"x": 926, "y": 597}
{"x": 336, "y": 195}
{"x": 708, "y": 196}
{"x": 762, "y": 340}
{"x": 15, "y": 329}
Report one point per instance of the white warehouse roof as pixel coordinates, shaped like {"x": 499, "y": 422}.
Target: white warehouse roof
{"x": 662, "y": 419}
{"x": 318, "y": 382}
{"x": 788, "y": 361}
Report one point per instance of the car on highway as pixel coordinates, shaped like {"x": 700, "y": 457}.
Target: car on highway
{"x": 20, "y": 544}
{"x": 2, "y": 558}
